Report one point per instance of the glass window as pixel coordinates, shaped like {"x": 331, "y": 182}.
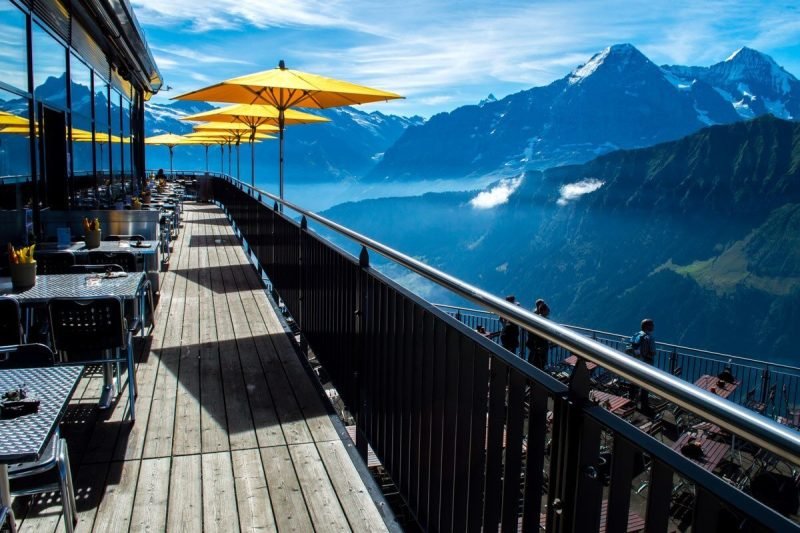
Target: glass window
{"x": 102, "y": 150}
{"x": 117, "y": 160}
{"x": 81, "y": 94}
{"x": 13, "y": 46}
{"x": 15, "y": 155}
{"x": 49, "y": 69}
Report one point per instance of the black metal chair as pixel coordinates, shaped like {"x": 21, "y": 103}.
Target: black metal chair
{"x": 52, "y": 471}
{"x": 95, "y": 269}
{"x": 93, "y": 331}
{"x": 54, "y": 262}
{"x": 25, "y": 356}
{"x": 10, "y": 322}
{"x": 127, "y": 260}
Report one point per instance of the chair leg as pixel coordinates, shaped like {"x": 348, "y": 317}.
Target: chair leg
{"x": 67, "y": 489}
{"x": 131, "y": 381}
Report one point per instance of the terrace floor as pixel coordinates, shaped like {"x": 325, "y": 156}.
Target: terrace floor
{"x": 231, "y": 432}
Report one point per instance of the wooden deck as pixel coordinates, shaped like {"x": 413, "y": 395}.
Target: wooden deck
{"x": 231, "y": 433}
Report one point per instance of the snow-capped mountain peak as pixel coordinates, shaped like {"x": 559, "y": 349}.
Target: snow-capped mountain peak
{"x": 616, "y": 58}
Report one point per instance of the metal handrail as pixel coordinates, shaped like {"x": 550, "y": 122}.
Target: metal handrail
{"x": 755, "y": 428}
{"x": 663, "y": 345}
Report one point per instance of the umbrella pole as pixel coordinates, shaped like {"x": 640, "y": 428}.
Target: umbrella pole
{"x": 230, "y": 173}
{"x": 206, "y": 159}
{"x": 252, "y": 156}
{"x": 281, "y": 124}
{"x": 170, "y": 161}
{"x": 238, "y": 156}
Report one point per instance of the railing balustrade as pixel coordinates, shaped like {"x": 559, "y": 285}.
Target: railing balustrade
{"x": 474, "y": 437}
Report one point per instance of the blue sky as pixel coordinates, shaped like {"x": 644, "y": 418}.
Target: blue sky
{"x": 441, "y": 54}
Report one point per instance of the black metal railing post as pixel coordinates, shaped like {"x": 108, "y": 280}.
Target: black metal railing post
{"x": 575, "y": 484}
{"x": 359, "y": 375}
{"x": 764, "y": 385}
{"x": 303, "y": 282}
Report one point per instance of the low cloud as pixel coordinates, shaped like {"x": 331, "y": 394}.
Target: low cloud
{"x": 497, "y": 195}
{"x": 573, "y": 191}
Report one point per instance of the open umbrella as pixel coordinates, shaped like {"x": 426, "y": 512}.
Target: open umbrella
{"x": 230, "y": 138}
{"x": 170, "y": 140}
{"x": 283, "y": 89}
{"x": 254, "y": 116}
{"x": 237, "y": 130}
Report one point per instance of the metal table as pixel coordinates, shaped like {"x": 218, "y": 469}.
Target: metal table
{"x": 23, "y": 439}
{"x": 79, "y": 247}
{"x": 127, "y": 288}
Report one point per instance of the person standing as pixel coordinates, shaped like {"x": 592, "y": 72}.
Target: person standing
{"x": 539, "y": 347}
{"x": 643, "y": 347}
{"x": 509, "y": 335}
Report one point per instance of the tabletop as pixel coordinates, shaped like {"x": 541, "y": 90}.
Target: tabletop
{"x": 712, "y": 384}
{"x": 615, "y": 403}
{"x": 147, "y": 247}
{"x": 572, "y": 360}
{"x": 75, "y": 286}
{"x": 713, "y": 451}
{"x": 22, "y": 439}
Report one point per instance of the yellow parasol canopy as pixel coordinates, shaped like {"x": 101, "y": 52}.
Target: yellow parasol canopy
{"x": 231, "y": 127}
{"x": 9, "y": 119}
{"x": 170, "y": 140}
{"x": 285, "y": 88}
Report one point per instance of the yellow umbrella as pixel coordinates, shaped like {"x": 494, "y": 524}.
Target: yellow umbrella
{"x": 255, "y": 117}
{"x": 170, "y": 140}
{"x": 226, "y": 137}
{"x": 9, "y": 119}
{"x": 236, "y": 130}
{"x": 283, "y": 89}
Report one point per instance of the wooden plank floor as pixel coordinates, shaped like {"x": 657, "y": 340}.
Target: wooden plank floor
{"x": 230, "y": 434}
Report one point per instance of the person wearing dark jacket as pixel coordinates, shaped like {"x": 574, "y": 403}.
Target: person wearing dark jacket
{"x": 509, "y": 335}
{"x": 643, "y": 347}
{"x": 538, "y": 347}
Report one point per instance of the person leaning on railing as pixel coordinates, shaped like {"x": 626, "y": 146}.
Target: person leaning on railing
{"x": 538, "y": 347}
{"x": 509, "y": 335}
{"x": 643, "y": 347}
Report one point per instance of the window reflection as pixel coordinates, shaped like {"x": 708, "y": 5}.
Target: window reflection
{"x": 15, "y": 163}
{"x": 13, "y": 46}
{"x": 49, "y": 69}
{"x": 81, "y": 94}
{"x": 102, "y": 133}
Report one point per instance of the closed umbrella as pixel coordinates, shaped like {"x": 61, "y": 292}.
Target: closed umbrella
{"x": 284, "y": 89}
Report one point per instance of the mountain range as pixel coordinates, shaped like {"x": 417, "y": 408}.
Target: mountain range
{"x": 699, "y": 234}
{"x": 619, "y": 99}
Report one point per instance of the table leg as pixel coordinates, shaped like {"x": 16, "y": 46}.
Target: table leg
{"x": 109, "y": 390}
{"x": 5, "y": 496}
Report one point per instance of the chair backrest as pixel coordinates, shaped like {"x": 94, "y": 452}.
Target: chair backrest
{"x": 127, "y": 260}
{"x": 95, "y": 269}
{"x": 54, "y": 262}
{"x": 25, "y": 356}
{"x": 84, "y": 325}
{"x": 10, "y": 321}
{"x": 124, "y": 238}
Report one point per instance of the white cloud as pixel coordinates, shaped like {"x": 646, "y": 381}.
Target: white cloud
{"x": 502, "y": 268}
{"x": 573, "y": 191}
{"x": 497, "y": 195}
{"x": 445, "y": 53}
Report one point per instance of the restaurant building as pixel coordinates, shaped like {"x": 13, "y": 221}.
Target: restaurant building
{"x": 74, "y": 76}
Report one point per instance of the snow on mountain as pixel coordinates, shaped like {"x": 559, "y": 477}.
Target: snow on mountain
{"x": 750, "y": 81}
{"x": 618, "y": 99}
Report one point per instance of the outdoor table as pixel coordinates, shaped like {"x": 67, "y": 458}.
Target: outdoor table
{"x": 127, "y": 288}
{"x": 79, "y": 248}
{"x": 616, "y": 404}
{"x": 23, "y": 439}
{"x": 713, "y": 451}
{"x": 711, "y": 384}
{"x": 572, "y": 360}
